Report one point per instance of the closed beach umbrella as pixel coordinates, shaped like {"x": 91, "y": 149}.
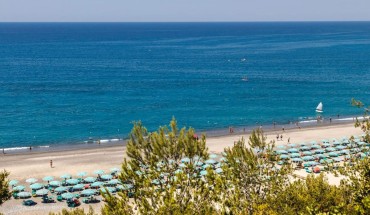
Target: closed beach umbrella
{"x": 113, "y": 182}
{"x": 65, "y": 176}
{"x": 48, "y": 178}
{"x": 305, "y": 148}
{"x": 204, "y": 172}
{"x": 280, "y": 152}
{"x": 292, "y": 150}
{"x": 330, "y": 149}
{"x": 99, "y": 172}
{"x": 211, "y": 161}
{"x": 315, "y": 147}
{"x": 106, "y": 177}
{"x": 219, "y": 170}
{"x": 110, "y": 189}
{"x": 308, "y": 158}
{"x": 67, "y": 196}
{"x": 82, "y": 174}
{"x": 284, "y": 157}
{"x": 42, "y": 192}
{"x": 19, "y": 188}
{"x": 333, "y": 154}
{"x": 24, "y": 195}
{"x": 115, "y": 170}
{"x": 90, "y": 179}
{"x": 213, "y": 156}
{"x": 307, "y": 153}
{"x": 72, "y": 181}
{"x": 36, "y": 186}
{"x": 31, "y": 180}
{"x": 13, "y": 182}
{"x": 96, "y": 184}
{"x": 319, "y": 151}
{"x": 55, "y": 183}
{"x": 185, "y": 160}
{"x": 88, "y": 192}
{"x": 78, "y": 186}
{"x": 295, "y": 155}
{"x": 295, "y": 160}
{"x": 60, "y": 189}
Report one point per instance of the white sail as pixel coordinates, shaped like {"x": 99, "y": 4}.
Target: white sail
{"x": 319, "y": 107}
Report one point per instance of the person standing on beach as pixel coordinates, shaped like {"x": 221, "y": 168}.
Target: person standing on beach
{"x": 330, "y": 120}
{"x": 288, "y": 139}
{"x": 277, "y": 137}
{"x": 51, "y": 163}
{"x": 281, "y": 137}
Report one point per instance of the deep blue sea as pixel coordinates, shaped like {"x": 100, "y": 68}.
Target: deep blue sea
{"x": 61, "y": 83}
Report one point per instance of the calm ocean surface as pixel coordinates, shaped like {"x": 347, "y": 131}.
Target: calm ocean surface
{"x": 62, "y": 83}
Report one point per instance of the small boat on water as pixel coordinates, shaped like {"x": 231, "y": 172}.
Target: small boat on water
{"x": 319, "y": 108}
{"x": 244, "y": 78}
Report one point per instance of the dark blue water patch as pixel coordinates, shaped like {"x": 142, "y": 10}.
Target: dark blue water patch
{"x": 64, "y": 82}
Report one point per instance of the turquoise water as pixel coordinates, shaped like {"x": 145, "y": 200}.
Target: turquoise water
{"x": 62, "y": 83}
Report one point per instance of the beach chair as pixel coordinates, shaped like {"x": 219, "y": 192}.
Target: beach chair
{"x": 47, "y": 199}
{"x": 15, "y": 195}
{"x": 59, "y": 198}
{"x": 34, "y": 193}
{"x": 29, "y": 202}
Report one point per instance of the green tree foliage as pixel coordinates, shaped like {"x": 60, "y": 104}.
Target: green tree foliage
{"x": 5, "y": 194}
{"x": 76, "y": 211}
{"x": 153, "y": 168}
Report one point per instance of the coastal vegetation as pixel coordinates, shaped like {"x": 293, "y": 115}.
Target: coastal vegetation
{"x": 5, "y": 193}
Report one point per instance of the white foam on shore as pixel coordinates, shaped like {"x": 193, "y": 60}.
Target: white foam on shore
{"x": 16, "y": 148}
{"x": 104, "y": 141}
{"x": 114, "y": 140}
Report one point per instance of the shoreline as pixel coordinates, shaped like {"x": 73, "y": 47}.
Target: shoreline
{"x": 217, "y": 132}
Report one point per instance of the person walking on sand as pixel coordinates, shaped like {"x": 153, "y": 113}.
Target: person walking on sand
{"x": 51, "y": 163}
{"x": 289, "y": 140}
{"x": 281, "y": 137}
{"x": 277, "y": 137}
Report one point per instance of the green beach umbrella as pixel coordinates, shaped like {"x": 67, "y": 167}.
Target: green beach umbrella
{"x": 223, "y": 160}
{"x": 305, "y": 148}
{"x": 115, "y": 170}
{"x": 284, "y": 157}
{"x": 211, "y": 161}
{"x": 125, "y": 187}
{"x": 321, "y": 156}
{"x": 113, "y": 182}
{"x": 68, "y": 196}
{"x": 340, "y": 147}
{"x": 281, "y": 147}
{"x": 325, "y": 145}
{"x": 205, "y": 166}
{"x": 48, "y": 178}
{"x": 319, "y": 151}
{"x": 333, "y": 154}
{"x": 110, "y": 189}
{"x": 326, "y": 161}
{"x": 72, "y": 181}
{"x": 66, "y": 176}
{"x": 19, "y": 188}
{"x": 78, "y": 187}
{"x": 42, "y": 192}
{"x": 82, "y": 174}
{"x": 292, "y": 145}
{"x": 336, "y": 143}
{"x": 344, "y": 152}
{"x": 60, "y": 189}
{"x": 199, "y": 163}
{"x": 55, "y": 183}
{"x": 337, "y": 160}
{"x": 96, "y": 184}
{"x": 280, "y": 152}
{"x": 178, "y": 171}
{"x": 330, "y": 149}
{"x": 292, "y": 150}
{"x": 88, "y": 192}
{"x": 24, "y": 195}
{"x": 219, "y": 170}
{"x": 295, "y": 160}
{"x": 315, "y": 147}
{"x": 31, "y": 180}
{"x": 308, "y": 158}
{"x": 213, "y": 156}
{"x": 99, "y": 172}
{"x": 204, "y": 172}
{"x": 303, "y": 144}
{"x": 185, "y": 160}
{"x": 295, "y": 155}
{"x": 13, "y": 182}
{"x": 307, "y": 153}
{"x": 313, "y": 142}
{"x": 90, "y": 179}
{"x": 106, "y": 177}
{"x": 36, "y": 186}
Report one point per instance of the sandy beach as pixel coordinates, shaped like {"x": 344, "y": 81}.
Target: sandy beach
{"x": 37, "y": 165}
